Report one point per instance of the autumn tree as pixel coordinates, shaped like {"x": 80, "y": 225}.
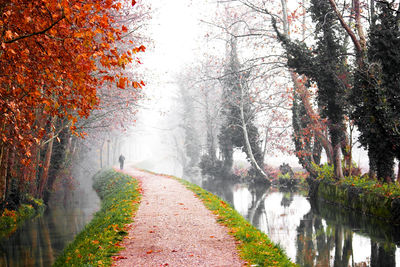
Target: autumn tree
{"x": 199, "y": 101}
{"x": 189, "y": 124}
{"x": 54, "y": 57}
{"x": 325, "y": 65}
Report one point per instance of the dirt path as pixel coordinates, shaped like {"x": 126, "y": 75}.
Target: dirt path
{"x": 173, "y": 228}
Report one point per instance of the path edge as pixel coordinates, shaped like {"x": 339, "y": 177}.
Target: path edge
{"x": 253, "y": 246}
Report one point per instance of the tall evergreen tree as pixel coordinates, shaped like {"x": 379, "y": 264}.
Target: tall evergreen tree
{"x": 238, "y": 129}
{"x": 325, "y": 65}
{"x": 376, "y": 94}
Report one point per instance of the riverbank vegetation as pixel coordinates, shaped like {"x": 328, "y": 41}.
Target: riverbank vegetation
{"x": 254, "y": 246}
{"x": 363, "y": 182}
{"x": 360, "y": 193}
{"x": 11, "y": 219}
{"x": 98, "y": 241}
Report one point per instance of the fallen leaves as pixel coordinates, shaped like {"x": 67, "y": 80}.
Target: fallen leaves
{"x": 119, "y": 258}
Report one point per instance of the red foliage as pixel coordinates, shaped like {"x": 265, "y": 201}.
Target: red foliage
{"x": 54, "y": 55}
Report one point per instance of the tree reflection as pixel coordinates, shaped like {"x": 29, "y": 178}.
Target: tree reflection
{"x": 40, "y": 240}
{"x": 325, "y": 241}
{"x": 327, "y": 235}
{"x": 287, "y": 199}
{"x": 317, "y": 242}
{"x": 383, "y": 254}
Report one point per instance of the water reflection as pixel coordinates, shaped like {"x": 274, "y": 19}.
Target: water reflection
{"x": 312, "y": 234}
{"x": 40, "y": 240}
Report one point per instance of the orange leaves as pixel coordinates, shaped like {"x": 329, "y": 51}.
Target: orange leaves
{"x": 8, "y": 34}
{"x": 122, "y": 82}
{"x": 56, "y": 55}
{"x": 138, "y": 49}
{"x": 137, "y": 85}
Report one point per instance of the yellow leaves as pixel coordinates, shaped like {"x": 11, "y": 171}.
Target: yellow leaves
{"x": 98, "y": 31}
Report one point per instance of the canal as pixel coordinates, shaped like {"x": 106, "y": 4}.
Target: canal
{"x": 312, "y": 234}
{"x": 40, "y": 240}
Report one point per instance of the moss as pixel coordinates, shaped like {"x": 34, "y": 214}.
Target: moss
{"x": 358, "y": 198}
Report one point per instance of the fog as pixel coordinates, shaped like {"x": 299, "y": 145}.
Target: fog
{"x": 182, "y": 35}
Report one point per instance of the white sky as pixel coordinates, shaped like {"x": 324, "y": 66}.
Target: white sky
{"x": 175, "y": 31}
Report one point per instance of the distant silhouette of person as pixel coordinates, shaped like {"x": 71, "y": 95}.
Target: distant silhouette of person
{"x": 121, "y": 161}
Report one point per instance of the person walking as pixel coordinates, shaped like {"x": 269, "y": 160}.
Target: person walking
{"x": 121, "y": 161}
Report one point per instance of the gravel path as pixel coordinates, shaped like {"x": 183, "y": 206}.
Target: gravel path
{"x": 173, "y": 228}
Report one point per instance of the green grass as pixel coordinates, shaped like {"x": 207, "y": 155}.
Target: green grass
{"x": 368, "y": 185}
{"x": 254, "y": 246}
{"x": 99, "y": 240}
{"x": 10, "y": 220}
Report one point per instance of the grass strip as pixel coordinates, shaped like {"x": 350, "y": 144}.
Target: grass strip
{"x": 99, "y": 240}
{"x": 254, "y": 246}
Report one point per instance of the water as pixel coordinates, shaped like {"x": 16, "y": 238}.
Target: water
{"x": 40, "y": 240}
{"x": 312, "y": 234}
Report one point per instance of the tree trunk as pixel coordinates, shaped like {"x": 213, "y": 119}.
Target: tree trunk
{"x": 108, "y": 152}
{"x": 46, "y": 165}
{"x": 3, "y": 176}
{"x": 398, "y": 172}
{"x": 101, "y": 155}
{"x": 338, "y": 172}
{"x": 210, "y": 133}
{"x": 264, "y": 152}
{"x": 318, "y": 126}
{"x": 246, "y": 137}
{"x": 3, "y": 181}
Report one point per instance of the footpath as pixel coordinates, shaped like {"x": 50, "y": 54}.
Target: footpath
{"x": 172, "y": 227}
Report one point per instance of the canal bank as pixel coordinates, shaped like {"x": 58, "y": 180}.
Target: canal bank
{"x": 311, "y": 233}
{"x": 367, "y": 197}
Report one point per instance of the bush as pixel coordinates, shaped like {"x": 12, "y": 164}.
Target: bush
{"x": 210, "y": 166}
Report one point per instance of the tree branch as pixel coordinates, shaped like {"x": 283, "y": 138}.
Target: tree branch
{"x": 352, "y": 35}
{"x": 35, "y": 33}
